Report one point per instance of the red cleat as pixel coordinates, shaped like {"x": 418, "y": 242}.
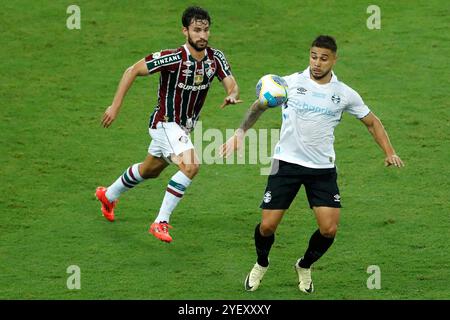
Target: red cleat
{"x": 107, "y": 206}
{"x": 161, "y": 231}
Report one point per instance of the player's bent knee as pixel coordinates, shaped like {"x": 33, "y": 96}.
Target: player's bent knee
{"x": 267, "y": 229}
{"x": 190, "y": 170}
{"x": 329, "y": 231}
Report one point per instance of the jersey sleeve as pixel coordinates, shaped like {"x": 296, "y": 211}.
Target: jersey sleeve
{"x": 223, "y": 67}
{"x": 164, "y": 60}
{"x": 290, "y": 79}
{"x": 355, "y": 105}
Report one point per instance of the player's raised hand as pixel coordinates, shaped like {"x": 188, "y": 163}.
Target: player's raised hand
{"x": 229, "y": 100}
{"x": 393, "y": 160}
{"x": 108, "y": 117}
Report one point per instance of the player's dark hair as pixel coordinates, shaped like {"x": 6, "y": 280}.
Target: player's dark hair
{"x": 194, "y": 13}
{"x": 327, "y": 42}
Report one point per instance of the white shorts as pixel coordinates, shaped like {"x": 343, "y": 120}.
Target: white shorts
{"x": 168, "y": 139}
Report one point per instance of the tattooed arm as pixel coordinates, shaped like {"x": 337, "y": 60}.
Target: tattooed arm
{"x": 235, "y": 142}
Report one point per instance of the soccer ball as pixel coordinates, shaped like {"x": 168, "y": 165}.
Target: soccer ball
{"x": 271, "y": 90}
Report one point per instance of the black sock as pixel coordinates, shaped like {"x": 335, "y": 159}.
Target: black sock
{"x": 318, "y": 245}
{"x": 263, "y": 245}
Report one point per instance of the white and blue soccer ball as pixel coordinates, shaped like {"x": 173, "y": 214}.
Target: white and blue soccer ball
{"x": 271, "y": 90}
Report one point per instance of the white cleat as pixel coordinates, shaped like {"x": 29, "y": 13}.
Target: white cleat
{"x": 305, "y": 283}
{"x": 254, "y": 277}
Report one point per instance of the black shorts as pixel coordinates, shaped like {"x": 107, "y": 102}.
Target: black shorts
{"x": 284, "y": 183}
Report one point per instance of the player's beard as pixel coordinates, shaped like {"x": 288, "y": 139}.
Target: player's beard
{"x": 321, "y": 76}
{"x": 197, "y": 46}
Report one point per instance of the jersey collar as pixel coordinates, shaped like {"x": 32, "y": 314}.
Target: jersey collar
{"x": 189, "y": 53}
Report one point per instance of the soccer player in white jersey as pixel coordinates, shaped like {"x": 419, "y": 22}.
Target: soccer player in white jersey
{"x": 305, "y": 156}
{"x": 185, "y": 77}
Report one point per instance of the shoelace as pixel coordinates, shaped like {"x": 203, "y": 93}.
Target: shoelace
{"x": 165, "y": 227}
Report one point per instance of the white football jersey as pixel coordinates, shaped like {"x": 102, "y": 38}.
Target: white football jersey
{"x": 309, "y": 117}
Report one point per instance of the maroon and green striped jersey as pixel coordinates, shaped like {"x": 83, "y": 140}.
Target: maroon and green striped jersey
{"x": 184, "y": 83}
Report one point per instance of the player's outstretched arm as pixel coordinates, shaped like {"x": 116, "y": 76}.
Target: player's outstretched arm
{"x": 232, "y": 90}
{"x": 380, "y": 135}
{"x": 138, "y": 69}
{"x": 235, "y": 142}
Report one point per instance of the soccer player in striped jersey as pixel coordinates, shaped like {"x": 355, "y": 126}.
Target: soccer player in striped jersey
{"x": 305, "y": 156}
{"x": 186, "y": 74}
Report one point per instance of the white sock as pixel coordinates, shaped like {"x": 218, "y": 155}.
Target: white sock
{"x": 174, "y": 193}
{"x": 128, "y": 180}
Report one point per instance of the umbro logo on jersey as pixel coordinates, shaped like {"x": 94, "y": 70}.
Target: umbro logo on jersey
{"x": 188, "y": 63}
{"x": 186, "y": 72}
{"x": 301, "y": 90}
{"x": 335, "y": 98}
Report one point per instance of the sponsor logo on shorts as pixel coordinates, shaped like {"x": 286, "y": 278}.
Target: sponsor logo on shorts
{"x": 183, "y": 139}
{"x": 337, "y": 198}
{"x": 267, "y": 197}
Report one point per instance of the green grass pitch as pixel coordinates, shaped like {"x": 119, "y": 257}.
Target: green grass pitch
{"x": 55, "y": 84}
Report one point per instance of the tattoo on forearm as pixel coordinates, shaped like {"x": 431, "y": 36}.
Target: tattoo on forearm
{"x": 250, "y": 119}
